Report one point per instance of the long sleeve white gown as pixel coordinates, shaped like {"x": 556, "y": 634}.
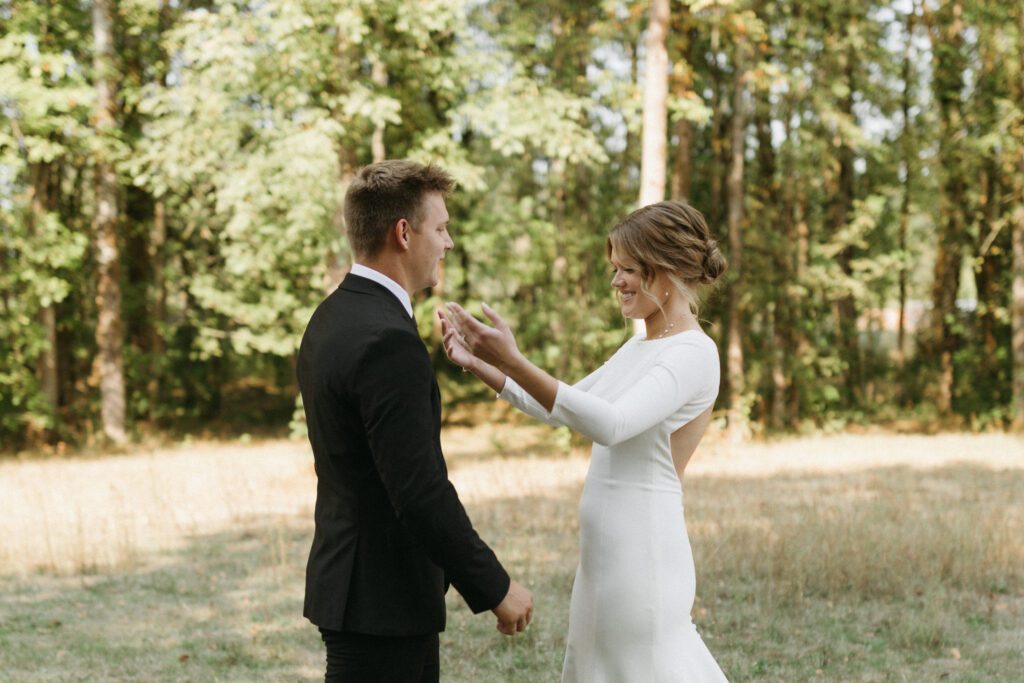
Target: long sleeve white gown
{"x": 629, "y": 615}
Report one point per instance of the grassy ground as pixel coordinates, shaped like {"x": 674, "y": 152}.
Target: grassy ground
{"x": 851, "y": 558}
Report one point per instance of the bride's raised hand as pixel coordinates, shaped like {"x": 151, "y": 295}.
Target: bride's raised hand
{"x": 495, "y": 345}
{"x": 454, "y": 347}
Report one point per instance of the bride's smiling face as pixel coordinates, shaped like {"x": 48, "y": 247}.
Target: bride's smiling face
{"x": 627, "y": 281}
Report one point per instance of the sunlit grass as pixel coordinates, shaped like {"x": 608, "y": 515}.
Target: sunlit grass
{"x": 850, "y": 558}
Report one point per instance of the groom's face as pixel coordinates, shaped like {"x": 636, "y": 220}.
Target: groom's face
{"x": 429, "y": 241}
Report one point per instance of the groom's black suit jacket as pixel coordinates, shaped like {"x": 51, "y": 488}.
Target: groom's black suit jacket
{"x": 390, "y": 531}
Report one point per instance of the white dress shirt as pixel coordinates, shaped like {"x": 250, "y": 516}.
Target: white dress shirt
{"x": 382, "y": 279}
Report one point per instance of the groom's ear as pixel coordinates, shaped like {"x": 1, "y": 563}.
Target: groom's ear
{"x": 401, "y": 231}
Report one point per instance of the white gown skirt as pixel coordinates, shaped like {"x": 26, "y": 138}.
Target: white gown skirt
{"x": 629, "y": 616}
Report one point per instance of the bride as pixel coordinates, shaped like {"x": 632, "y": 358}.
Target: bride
{"x": 646, "y": 409}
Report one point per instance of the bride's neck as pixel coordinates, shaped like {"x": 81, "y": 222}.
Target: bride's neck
{"x": 668, "y": 321}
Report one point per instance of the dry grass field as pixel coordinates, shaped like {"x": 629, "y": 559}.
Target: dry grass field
{"x": 844, "y": 558}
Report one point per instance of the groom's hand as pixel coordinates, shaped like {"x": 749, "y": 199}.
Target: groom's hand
{"x": 515, "y": 611}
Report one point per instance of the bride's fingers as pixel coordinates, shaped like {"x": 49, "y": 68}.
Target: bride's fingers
{"x": 467, "y": 323}
{"x": 451, "y": 329}
{"x": 456, "y": 316}
{"x": 498, "y": 321}
{"x": 457, "y": 313}
{"x": 451, "y": 340}
{"x": 447, "y": 323}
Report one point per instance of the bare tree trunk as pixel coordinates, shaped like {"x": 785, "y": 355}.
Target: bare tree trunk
{"x": 714, "y": 213}
{"x": 155, "y": 254}
{"x": 43, "y": 201}
{"x": 109, "y": 327}
{"x": 48, "y": 359}
{"x": 988, "y": 275}
{"x": 338, "y": 264}
{"x": 908, "y": 169}
{"x": 157, "y": 238}
{"x": 737, "y": 417}
{"x": 682, "y": 85}
{"x": 1017, "y": 309}
{"x": 778, "y": 351}
{"x": 379, "y": 76}
{"x": 655, "y": 115}
{"x": 626, "y": 158}
{"x": 949, "y": 69}
{"x": 772, "y": 194}
{"x": 682, "y": 170}
{"x": 846, "y": 308}
{"x": 1017, "y": 237}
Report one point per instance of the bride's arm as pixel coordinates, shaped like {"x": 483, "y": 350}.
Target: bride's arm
{"x": 685, "y": 373}
{"x": 496, "y": 347}
{"x": 507, "y": 389}
{"x": 512, "y": 375}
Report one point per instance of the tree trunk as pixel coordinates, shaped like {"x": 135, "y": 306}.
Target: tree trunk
{"x": 716, "y": 163}
{"x": 950, "y": 64}
{"x": 338, "y": 262}
{"x": 44, "y": 201}
{"x": 48, "y": 378}
{"x": 773, "y": 201}
{"x": 157, "y": 238}
{"x": 109, "y": 327}
{"x": 682, "y": 169}
{"x": 1017, "y": 310}
{"x": 1017, "y": 237}
{"x": 846, "y": 308}
{"x": 655, "y": 115}
{"x": 682, "y": 85}
{"x": 737, "y": 419}
{"x": 908, "y": 173}
{"x": 379, "y": 76}
{"x": 987, "y": 275}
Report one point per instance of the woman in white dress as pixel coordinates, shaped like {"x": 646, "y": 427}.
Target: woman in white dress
{"x": 645, "y": 409}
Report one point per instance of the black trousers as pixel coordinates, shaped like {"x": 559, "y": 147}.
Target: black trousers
{"x": 360, "y": 658}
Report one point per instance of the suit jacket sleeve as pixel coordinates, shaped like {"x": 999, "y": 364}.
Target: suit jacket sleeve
{"x": 394, "y": 385}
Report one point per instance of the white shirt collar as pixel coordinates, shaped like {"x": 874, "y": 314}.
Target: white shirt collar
{"x": 382, "y": 279}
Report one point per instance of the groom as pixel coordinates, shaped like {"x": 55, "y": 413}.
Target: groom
{"x": 390, "y": 532}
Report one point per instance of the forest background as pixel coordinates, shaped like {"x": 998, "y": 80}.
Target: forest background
{"x": 171, "y": 174}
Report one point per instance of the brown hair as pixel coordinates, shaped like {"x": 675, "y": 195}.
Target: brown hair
{"x": 674, "y": 238}
{"x": 381, "y": 194}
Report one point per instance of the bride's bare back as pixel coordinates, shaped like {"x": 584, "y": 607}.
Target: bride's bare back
{"x": 685, "y": 439}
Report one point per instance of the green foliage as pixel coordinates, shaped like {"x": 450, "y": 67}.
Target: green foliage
{"x": 240, "y": 123}
{"x": 43, "y": 111}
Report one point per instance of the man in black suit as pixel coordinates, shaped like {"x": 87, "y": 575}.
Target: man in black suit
{"x": 390, "y": 533}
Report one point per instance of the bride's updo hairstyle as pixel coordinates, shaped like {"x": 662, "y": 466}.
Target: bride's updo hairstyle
{"x": 671, "y": 237}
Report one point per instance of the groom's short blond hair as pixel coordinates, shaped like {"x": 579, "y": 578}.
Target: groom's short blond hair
{"x": 381, "y": 194}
